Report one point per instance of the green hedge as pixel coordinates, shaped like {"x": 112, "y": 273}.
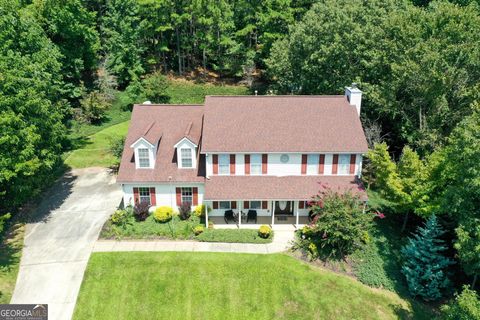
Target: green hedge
{"x": 233, "y": 236}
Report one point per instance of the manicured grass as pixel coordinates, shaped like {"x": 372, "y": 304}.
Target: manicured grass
{"x": 184, "y": 285}
{"x": 233, "y": 236}
{"x": 96, "y": 149}
{"x": 10, "y": 254}
{"x": 150, "y": 229}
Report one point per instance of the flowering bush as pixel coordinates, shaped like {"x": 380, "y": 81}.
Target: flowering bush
{"x": 338, "y": 225}
{"x": 264, "y": 231}
{"x": 163, "y": 214}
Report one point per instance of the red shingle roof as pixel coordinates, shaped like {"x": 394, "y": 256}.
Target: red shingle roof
{"x": 282, "y": 124}
{"x": 276, "y": 188}
{"x": 164, "y": 125}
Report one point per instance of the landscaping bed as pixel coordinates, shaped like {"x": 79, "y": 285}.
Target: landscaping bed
{"x": 233, "y": 236}
{"x": 184, "y": 285}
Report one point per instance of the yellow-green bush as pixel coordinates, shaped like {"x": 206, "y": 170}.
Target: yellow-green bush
{"x": 200, "y": 210}
{"x": 198, "y": 229}
{"x": 163, "y": 214}
{"x": 264, "y": 231}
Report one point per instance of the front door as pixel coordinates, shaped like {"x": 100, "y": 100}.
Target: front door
{"x": 283, "y": 208}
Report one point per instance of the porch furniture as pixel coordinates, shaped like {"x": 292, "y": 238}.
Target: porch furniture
{"x": 252, "y": 215}
{"x": 311, "y": 215}
{"x": 229, "y": 215}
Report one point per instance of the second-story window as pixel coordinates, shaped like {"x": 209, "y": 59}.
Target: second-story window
{"x": 312, "y": 163}
{"x": 224, "y": 164}
{"x": 143, "y": 158}
{"x": 344, "y": 164}
{"x": 256, "y": 164}
{"x": 186, "y": 154}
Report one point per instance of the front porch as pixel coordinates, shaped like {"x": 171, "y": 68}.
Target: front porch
{"x": 251, "y": 214}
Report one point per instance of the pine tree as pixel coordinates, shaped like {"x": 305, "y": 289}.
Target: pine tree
{"x": 425, "y": 264}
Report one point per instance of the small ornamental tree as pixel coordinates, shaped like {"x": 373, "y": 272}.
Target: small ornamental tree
{"x": 339, "y": 222}
{"x": 425, "y": 266}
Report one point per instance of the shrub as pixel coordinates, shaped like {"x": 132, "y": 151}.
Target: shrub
{"x": 200, "y": 210}
{"x": 155, "y": 86}
{"x": 198, "y": 229}
{"x": 119, "y": 217}
{"x": 163, "y": 214}
{"x": 140, "y": 210}
{"x": 210, "y": 225}
{"x": 465, "y": 306}
{"x": 339, "y": 223}
{"x": 425, "y": 266}
{"x": 116, "y": 146}
{"x": 93, "y": 106}
{"x": 184, "y": 210}
{"x": 264, "y": 231}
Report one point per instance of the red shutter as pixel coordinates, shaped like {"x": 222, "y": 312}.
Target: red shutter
{"x": 178, "y": 191}
{"x": 335, "y": 164}
{"x": 153, "y": 197}
{"x": 304, "y": 164}
{"x": 233, "y": 204}
{"x": 353, "y": 158}
{"x": 215, "y": 164}
{"x": 246, "y": 204}
{"x": 264, "y": 204}
{"x": 195, "y": 196}
{"x": 232, "y": 164}
{"x": 247, "y": 164}
{"x": 321, "y": 164}
{"x": 136, "y": 196}
{"x": 264, "y": 163}
{"x": 301, "y": 205}
{"x": 215, "y": 204}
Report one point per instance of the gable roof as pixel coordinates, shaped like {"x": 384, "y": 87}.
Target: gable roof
{"x": 163, "y": 126}
{"x": 281, "y": 124}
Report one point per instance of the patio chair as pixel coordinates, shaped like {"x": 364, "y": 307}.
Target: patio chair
{"x": 252, "y": 215}
{"x": 229, "y": 215}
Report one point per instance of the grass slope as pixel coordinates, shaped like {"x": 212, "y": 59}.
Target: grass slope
{"x": 174, "y": 285}
{"x": 10, "y": 254}
{"x": 91, "y": 143}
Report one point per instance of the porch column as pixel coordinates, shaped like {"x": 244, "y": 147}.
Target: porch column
{"x": 239, "y": 205}
{"x": 206, "y": 214}
{"x": 273, "y": 213}
{"x": 295, "y": 204}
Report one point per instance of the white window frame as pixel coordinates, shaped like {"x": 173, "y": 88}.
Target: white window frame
{"x": 256, "y": 164}
{"x": 144, "y": 195}
{"x": 343, "y": 164}
{"x": 223, "y": 164}
{"x": 187, "y": 195}
{"x": 186, "y": 155}
{"x": 143, "y": 157}
{"x": 224, "y": 207}
{"x": 251, "y": 206}
{"x": 312, "y": 164}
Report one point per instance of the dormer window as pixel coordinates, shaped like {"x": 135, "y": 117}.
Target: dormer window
{"x": 186, "y": 157}
{"x": 143, "y": 158}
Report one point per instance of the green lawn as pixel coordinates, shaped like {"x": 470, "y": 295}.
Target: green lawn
{"x": 91, "y": 143}
{"x": 95, "y": 151}
{"x": 10, "y": 254}
{"x": 174, "y": 285}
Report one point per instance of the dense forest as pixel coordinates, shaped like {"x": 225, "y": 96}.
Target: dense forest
{"x": 417, "y": 62}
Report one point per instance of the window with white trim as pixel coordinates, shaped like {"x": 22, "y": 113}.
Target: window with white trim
{"x": 225, "y": 205}
{"x": 186, "y": 155}
{"x": 312, "y": 163}
{"x": 143, "y": 158}
{"x": 144, "y": 194}
{"x": 187, "y": 195}
{"x": 223, "y": 164}
{"x": 255, "y": 204}
{"x": 256, "y": 164}
{"x": 344, "y": 164}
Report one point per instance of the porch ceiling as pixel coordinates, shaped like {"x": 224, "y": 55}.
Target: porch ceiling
{"x": 276, "y": 188}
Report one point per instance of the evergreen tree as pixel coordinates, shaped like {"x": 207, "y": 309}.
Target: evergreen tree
{"x": 425, "y": 266}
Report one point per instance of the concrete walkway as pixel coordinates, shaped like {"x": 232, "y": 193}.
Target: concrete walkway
{"x": 59, "y": 240}
{"x": 281, "y": 242}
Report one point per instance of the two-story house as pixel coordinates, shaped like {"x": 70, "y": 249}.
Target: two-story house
{"x": 240, "y": 153}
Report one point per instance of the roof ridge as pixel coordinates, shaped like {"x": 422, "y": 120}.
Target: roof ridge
{"x": 280, "y": 96}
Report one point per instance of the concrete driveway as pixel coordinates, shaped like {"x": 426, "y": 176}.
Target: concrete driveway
{"x": 60, "y": 239}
